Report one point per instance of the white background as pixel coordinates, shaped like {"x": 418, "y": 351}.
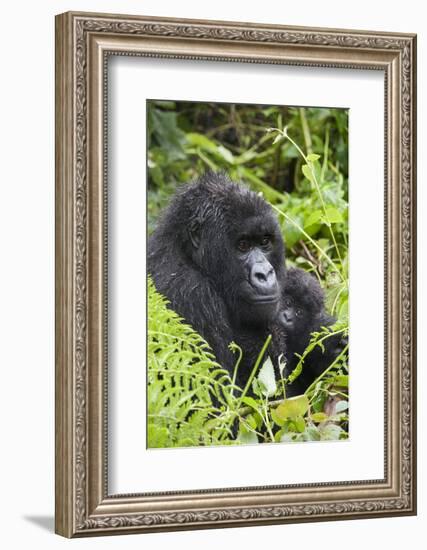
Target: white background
{"x": 131, "y": 81}
{"x": 27, "y": 275}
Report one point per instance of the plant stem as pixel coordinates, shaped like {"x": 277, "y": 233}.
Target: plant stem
{"x": 267, "y": 421}
{"x": 313, "y": 384}
{"x": 312, "y": 241}
{"x": 336, "y": 299}
{"x": 325, "y": 153}
{"x": 319, "y": 192}
{"x": 342, "y": 394}
{"x": 254, "y": 370}
{"x": 236, "y": 367}
{"x": 305, "y": 129}
{"x": 309, "y": 349}
{"x": 316, "y": 184}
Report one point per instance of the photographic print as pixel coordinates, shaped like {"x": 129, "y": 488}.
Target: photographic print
{"x": 248, "y": 285}
{"x": 220, "y": 186}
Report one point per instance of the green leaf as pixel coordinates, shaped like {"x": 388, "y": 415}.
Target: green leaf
{"x": 293, "y": 407}
{"x": 258, "y": 419}
{"x": 251, "y": 421}
{"x": 313, "y": 218}
{"x": 225, "y": 154}
{"x": 186, "y": 442}
{"x": 267, "y": 379}
{"x": 332, "y": 215}
{"x": 201, "y": 141}
{"x": 319, "y": 401}
{"x": 276, "y": 418}
{"x": 299, "y": 424}
{"x": 251, "y": 402}
{"x": 312, "y": 157}
{"x": 246, "y": 156}
{"x": 157, "y": 437}
{"x": 343, "y": 311}
{"x": 319, "y": 417}
{"x": 330, "y": 432}
{"x": 311, "y": 434}
{"x": 341, "y": 380}
{"x": 278, "y": 436}
{"x": 257, "y": 388}
{"x": 163, "y": 124}
{"x": 246, "y": 436}
{"x": 306, "y": 170}
{"x": 183, "y": 376}
{"x": 292, "y": 231}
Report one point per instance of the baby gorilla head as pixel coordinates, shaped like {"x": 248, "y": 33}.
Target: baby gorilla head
{"x": 302, "y": 308}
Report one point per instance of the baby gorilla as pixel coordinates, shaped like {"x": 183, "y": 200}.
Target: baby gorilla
{"x": 302, "y": 312}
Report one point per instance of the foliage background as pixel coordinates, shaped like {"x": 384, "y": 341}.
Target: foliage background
{"x": 297, "y": 157}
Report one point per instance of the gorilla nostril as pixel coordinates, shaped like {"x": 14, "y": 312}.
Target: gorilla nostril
{"x": 261, "y": 277}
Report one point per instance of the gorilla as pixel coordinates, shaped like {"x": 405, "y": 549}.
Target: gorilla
{"x": 302, "y": 312}
{"x": 218, "y": 256}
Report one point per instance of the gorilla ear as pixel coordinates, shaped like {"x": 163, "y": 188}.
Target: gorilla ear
{"x": 194, "y": 233}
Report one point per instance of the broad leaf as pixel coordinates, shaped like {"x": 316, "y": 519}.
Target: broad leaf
{"x": 267, "y": 379}
{"x": 307, "y": 171}
{"x": 332, "y": 215}
{"x": 313, "y": 218}
{"x": 319, "y": 417}
{"x": 293, "y": 407}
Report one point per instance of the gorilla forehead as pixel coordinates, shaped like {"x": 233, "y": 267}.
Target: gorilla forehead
{"x": 253, "y": 226}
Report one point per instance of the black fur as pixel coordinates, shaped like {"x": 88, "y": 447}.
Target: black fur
{"x": 194, "y": 261}
{"x": 301, "y": 313}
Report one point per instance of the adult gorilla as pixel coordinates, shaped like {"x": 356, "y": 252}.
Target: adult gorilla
{"x": 218, "y": 256}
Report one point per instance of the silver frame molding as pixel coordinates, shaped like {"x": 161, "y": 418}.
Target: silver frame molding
{"x": 83, "y": 43}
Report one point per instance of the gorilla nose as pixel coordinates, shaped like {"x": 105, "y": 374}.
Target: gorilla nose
{"x": 263, "y": 278}
{"x": 287, "y": 317}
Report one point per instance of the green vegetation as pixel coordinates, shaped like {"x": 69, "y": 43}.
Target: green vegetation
{"x": 297, "y": 158}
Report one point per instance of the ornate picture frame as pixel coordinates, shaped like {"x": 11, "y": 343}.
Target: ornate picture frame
{"x": 84, "y": 42}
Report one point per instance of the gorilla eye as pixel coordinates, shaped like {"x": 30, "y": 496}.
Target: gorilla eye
{"x": 243, "y": 245}
{"x": 299, "y": 312}
{"x": 266, "y": 240}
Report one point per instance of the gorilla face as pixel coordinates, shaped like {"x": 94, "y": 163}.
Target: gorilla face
{"x": 257, "y": 284}
{"x": 302, "y": 308}
{"x": 294, "y": 317}
{"x": 241, "y": 250}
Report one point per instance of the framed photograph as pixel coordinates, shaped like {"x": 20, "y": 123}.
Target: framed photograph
{"x": 235, "y": 212}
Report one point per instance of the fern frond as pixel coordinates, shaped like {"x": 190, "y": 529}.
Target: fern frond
{"x": 185, "y": 383}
